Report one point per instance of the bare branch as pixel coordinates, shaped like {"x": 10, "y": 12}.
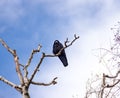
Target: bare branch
{"x": 20, "y": 76}
{"x": 113, "y": 76}
{"x": 112, "y": 85}
{"x": 44, "y": 55}
{"x": 36, "y": 69}
{"x": 66, "y": 46}
{"x": 6, "y": 46}
{"x": 10, "y": 84}
{"x": 31, "y": 56}
{"x": 65, "y": 43}
{"x": 53, "y": 82}
{"x": 29, "y": 61}
{"x": 108, "y": 51}
{"x": 24, "y": 81}
{"x": 109, "y": 85}
{"x": 16, "y": 59}
{"x": 75, "y": 38}
{"x": 106, "y": 85}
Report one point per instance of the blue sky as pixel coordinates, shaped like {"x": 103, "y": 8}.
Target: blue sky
{"x": 26, "y": 23}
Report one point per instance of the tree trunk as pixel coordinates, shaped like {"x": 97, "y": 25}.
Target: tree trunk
{"x": 25, "y": 92}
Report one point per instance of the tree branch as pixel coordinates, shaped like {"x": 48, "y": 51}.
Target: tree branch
{"x": 16, "y": 59}
{"x": 65, "y": 46}
{"x": 75, "y": 38}
{"x": 53, "y": 82}
{"x": 31, "y": 56}
{"x": 6, "y": 46}
{"x": 113, "y": 76}
{"x": 24, "y": 81}
{"x": 36, "y": 69}
{"x": 10, "y": 84}
{"x": 44, "y": 55}
{"x": 29, "y": 61}
{"x": 106, "y": 85}
{"x": 112, "y": 85}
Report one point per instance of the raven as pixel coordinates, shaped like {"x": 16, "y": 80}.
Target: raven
{"x": 57, "y": 46}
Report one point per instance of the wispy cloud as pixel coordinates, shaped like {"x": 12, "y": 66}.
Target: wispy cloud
{"x": 47, "y": 20}
{"x": 93, "y": 19}
{"x": 10, "y": 10}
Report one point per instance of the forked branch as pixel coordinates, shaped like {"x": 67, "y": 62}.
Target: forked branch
{"x": 66, "y": 45}
{"x": 51, "y": 55}
{"x": 29, "y": 61}
{"x": 23, "y": 76}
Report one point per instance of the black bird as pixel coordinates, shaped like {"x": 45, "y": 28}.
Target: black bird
{"x": 57, "y": 46}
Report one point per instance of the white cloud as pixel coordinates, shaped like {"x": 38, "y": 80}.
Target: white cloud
{"x": 11, "y": 10}
{"x": 92, "y": 23}
{"x": 94, "y": 33}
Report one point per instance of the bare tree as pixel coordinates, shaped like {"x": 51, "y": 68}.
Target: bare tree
{"x": 22, "y": 70}
{"x": 107, "y": 84}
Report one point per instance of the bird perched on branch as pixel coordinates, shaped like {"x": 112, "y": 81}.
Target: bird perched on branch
{"x": 57, "y": 47}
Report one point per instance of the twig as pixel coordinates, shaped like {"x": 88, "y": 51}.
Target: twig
{"x": 66, "y": 46}
{"x": 75, "y": 38}
{"x": 105, "y": 85}
{"x": 31, "y": 56}
{"x": 113, "y": 76}
{"x": 53, "y": 82}
{"x": 6, "y": 46}
{"x": 112, "y": 85}
{"x": 65, "y": 43}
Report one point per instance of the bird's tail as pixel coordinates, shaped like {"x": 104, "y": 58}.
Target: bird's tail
{"x": 63, "y": 60}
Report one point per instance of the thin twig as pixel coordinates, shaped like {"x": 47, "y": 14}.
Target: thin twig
{"x": 53, "y": 82}
{"x": 6, "y": 46}
{"x": 66, "y": 46}
{"x": 113, "y": 76}
{"x": 112, "y": 85}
